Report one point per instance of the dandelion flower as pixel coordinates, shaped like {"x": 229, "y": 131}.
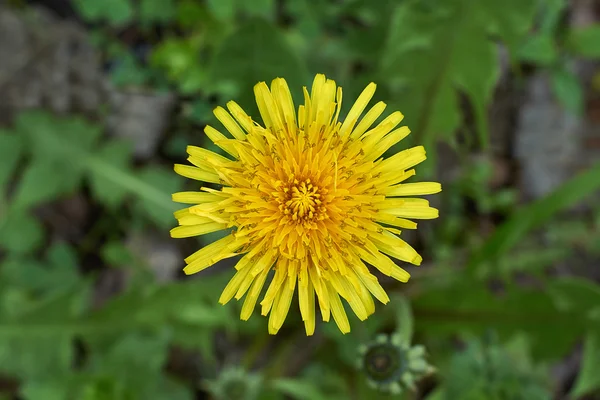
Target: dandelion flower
{"x": 308, "y": 197}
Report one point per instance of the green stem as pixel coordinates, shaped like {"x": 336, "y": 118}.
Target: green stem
{"x": 404, "y": 320}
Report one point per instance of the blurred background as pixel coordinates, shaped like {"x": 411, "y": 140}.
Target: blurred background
{"x": 99, "y": 98}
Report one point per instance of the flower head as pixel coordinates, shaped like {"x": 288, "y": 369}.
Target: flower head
{"x": 310, "y": 198}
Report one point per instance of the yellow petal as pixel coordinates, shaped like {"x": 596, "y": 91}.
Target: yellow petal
{"x": 357, "y": 109}
{"x": 220, "y": 140}
{"x": 252, "y": 296}
{"x": 196, "y": 173}
{"x": 240, "y": 116}
{"x": 337, "y": 309}
{"x": 229, "y": 123}
{"x": 283, "y": 97}
{"x": 233, "y": 285}
{"x": 194, "y": 197}
{"x": 368, "y": 120}
{"x": 414, "y": 189}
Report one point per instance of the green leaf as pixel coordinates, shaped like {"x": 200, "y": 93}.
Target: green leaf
{"x": 448, "y": 50}
{"x": 299, "y": 389}
{"x": 89, "y": 10}
{"x": 41, "y": 182}
{"x": 510, "y": 19}
{"x": 180, "y": 58}
{"x": 46, "y": 137}
{"x": 475, "y": 309}
{"x": 588, "y": 379}
{"x": 131, "y": 365}
{"x": 536, "y": 214}
{"x": 135, "y": 359}
{"x": 129, "y": 72}
{"x": 585, "y": 42}
{"x": 190, "y": 13}
{"x": 108, "y": 191}
{"x": 116, "y": 254}
{"x": 42, "y": 129}
{"x": 41, "y": 357}
{"x": 48, "y": 389}
{"x": 116, "y": 12}
{"x": 577, "y": 293}
{"x": 488, "y": 371}
{"x": 259, "y": 8}
{"x": 222, "y": 9}
{"x": 539, "y": 49}
{"x": 155, "y": 307}
{"x": 568, "y": 90}
{"x": 157, "y": 11}
{"x": 58, "y": 274}
{"x": 20, "y": 232}
{"x": 31, "y": 346}
{"x": 256, "y": 52}
{"x": 11, "y": 149}
{"x": 165, "y": 181}
{"x": 63, "y": 267}
{"x": 552, "y": 11}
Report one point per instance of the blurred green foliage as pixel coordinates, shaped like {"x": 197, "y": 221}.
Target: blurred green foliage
{"x": 435, "y": 61}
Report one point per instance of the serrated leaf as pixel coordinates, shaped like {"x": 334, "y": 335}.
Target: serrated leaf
{"x": 116, "y": 254}
{"x": 510, "y": 19}
{"x": 63, "y": 267}
{"x": 256, "y": 52}
{"x": 118, "y": 154}
{"x": 50, "y": 144}
{"x": 38, "y": 358}
{"x": 588, "y": 379}
{"x": 165, "y": 181}
{"x": 78, "y": 131}
{"x": 57, "y": 274}
{"x": 133, "y": 358}
{"x": 155, "y": 307}
{"x": 475, "y": 309}
{"x": 577, "y": 293}
{"x": 20, "y": 232}
{"x": 534, "y": 215}
{"x": 35, "y": 343}
{"x": 41, "y": 182}
{"x": 23, "y": 274}
{"x": 539, "y": 49}
{"x": 448, "y": 50}
{"x": 568, "y": 90}
{"x": 585, "y": 42}
{"x": 552, "y": 11}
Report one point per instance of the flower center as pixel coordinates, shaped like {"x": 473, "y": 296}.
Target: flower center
{"x": 301, "y": 201}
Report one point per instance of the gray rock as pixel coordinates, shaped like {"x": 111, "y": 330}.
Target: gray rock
{"x": 46, "y": 62}
{"x": 547, "y": 140}
{"x": 141, "y": 117}
{"x": 160, "y": 255}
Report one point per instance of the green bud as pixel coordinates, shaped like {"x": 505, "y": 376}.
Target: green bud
{"x": 391, "y": 365}
{"x": 235, "y": 384}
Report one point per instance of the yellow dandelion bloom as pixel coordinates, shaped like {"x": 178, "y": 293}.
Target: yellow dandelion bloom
{"x": 310, "y": 198}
